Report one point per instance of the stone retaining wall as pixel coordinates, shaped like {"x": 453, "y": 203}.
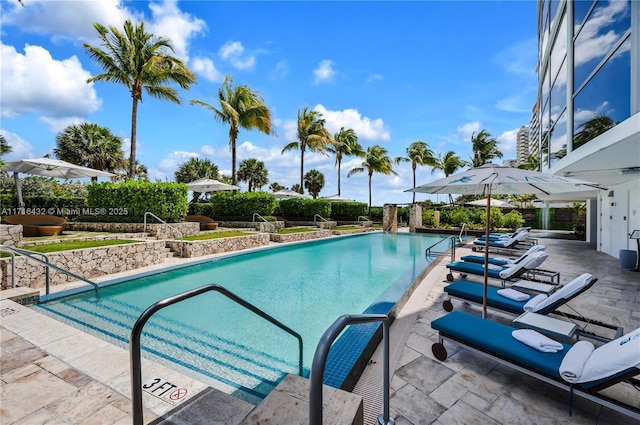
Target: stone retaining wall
{"x": 159, "y": 230}
{"x": 260, "y": 226}
{"x": 352, "y": 231}
{"x": 301, "y": 236}
{"x": 319, "y": 224}
{"x": 10, "y": 234}
{"x": 217, "y": 246}
{"x": 88, "y": 263}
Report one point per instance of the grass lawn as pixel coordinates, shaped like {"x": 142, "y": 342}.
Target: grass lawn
{"x": 348, "y": 227}
{"x": 68, "y": 245}
{"x": 296, "y": 230}
{"x": 216, "y": 235}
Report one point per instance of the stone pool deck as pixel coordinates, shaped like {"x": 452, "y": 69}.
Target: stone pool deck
{"x": 51, "y": 373}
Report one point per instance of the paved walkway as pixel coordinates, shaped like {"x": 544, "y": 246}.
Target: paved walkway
{"x": 53, "y": 374}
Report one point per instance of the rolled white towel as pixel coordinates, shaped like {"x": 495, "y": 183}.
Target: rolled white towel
{"x": 574, "y": 361}
{"x": 494, "y": 267}
{"x": 536, "y": 340}
{"x": 532, "y": 304}
{"x": 512, "y": 294}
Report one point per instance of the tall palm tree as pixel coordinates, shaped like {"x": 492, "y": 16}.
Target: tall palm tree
{"x": 194, "y": 169}
{"x": 275, "y": 187}
{"x": 313, "y": 182}
{"x": 240, "y": 107}
{"x": 485, "y": 148}
{"x": 532, "y": 163}
{"x": 311, "y": 135}
{"x": 297, "y": 188}
{"x": 418, "y": 153}
{"x": 141, "y": 172}
{"x": 345, "y": 144}
{"x": 4, "y": 148}
{"x": 141, "y": 62}
{"x": 376, "y": 161}
{"x": 450, "y": 163}
{"x": 254, "y": 173}
{"x": 592, "y": 128}
{"x": 90, "y": 145}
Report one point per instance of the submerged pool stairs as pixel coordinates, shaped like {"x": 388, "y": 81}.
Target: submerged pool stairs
{"x": 221, "y": 363}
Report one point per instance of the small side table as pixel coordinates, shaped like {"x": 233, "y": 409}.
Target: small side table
{"x": 555, "y": 328}
{"x": 535, "y": 287}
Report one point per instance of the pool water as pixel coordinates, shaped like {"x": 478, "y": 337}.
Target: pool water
{"x": 306, "y": 286}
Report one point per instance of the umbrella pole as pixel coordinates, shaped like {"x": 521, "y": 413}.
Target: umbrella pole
{"x": 486, "y": 255}
{"x": 16, "y": 179}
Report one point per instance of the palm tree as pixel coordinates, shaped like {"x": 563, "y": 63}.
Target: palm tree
{"x": 450, "y": 163}
{"x": 194, "y": 169}
{"x": 418, "y": 153}
{"x": 311, "y": 135}
{"x": 141, "y": 62}
{"x": 141, "y": 172}
{"x": 345, "y": 144}
{"x": 592, "y": 128}
{"x": 90, "y": 145}
{"x": 533, "y": 162}
{"x": 376, "y": 161}
{"x": 275, "y": 187}
{"x": 297, "y": 188}
{"x": 314, "y": 182}
{"x": 253, "y": 172}
{"x": 240, "y": 107}
{"x": 485, "y": 148}
{"x": 4, "y": 148}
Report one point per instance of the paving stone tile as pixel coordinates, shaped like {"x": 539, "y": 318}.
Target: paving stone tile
{"x": 41, "y": 417}
{"x": 461, "y": 413}
{"x": 78, "y": 406}
{"x": 425, "y": 374}
{"x": 416, "y": 406}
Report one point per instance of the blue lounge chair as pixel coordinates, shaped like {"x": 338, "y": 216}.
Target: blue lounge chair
{"x": 595, "y": 370}
{"x": 510, "y": 272}
{"x": 479, "y": 259}
{"x": 505, "y": 235}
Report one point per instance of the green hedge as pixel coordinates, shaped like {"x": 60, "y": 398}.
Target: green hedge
{"x": 62, "y": 206}
{"x": 241, "y": 206}
{"x": 305, "y": 209}
{"x": 348, "y": 210}
{"x": 201, "y": 208}
{"x": 128, "y": 201}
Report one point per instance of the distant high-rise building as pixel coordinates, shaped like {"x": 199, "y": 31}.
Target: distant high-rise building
{"x": 522, "y": 144}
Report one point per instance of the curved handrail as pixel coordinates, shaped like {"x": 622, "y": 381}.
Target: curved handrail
{"x": 320, "y": 357}
{"x": 461, "y": 231}
{"x": 321, "y": 217}
{"x": 451, "y": 238}
{"x": 168, "y": 225}
{"x": 13, "y": 266}
{"x": 47, "y": 263}
{"x": 253, "y": 220}
{"x": 365, "y": 218}
{"x": 136, "y": 332}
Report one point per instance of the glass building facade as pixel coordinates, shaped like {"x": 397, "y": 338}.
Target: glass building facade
{"x": 586, "y": 51}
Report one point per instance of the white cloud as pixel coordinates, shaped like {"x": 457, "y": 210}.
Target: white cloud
{"x": 20, "y": 148}
{"x": 171, "y": 162}
{"x": 34, "y": 82}
{"x": 375, "y": 77}
{"x": 233, "y": 52}
{"x": 507, "y": 142}
{"x": 324, "y": 72}
{"x": 465, "y": 131}
{"x": 366, "y": 128}
{"x": 179, "y": 27}
{"x": 206, "y": 68}
{"x": 280, "y": 70}
{"x": 56, "y": 125}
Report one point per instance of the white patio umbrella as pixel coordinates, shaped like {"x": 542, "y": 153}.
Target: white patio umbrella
{"x": 210, "y": 185}
{"x": 494, "y": 203}
{"x": 490, "y": 178}
{"x": 288, "y": 194}
{"x": 337, "y": 198}
{"x": 49, "y": 167}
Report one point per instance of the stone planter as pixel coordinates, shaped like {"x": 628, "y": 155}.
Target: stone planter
{"x": 302, "y": 236}
{"x": 190, "y": 249}
{"x": 353, "y": 231}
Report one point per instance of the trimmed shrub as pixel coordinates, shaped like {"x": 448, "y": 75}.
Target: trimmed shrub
{"x": 428, "y": 218}
{"x": 201, "y": 208}
{"x": 128, "y": 201}
{"x": 496, "y": 218}
{"x": 458, "y": 216}
{"x": 241, "y": 206}
{"x": 348, "y": 210}
{"x": 512, "y": 220}
{"x": 305, "y": 209}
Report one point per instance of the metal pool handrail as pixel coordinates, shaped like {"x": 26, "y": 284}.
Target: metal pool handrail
{"x": 136, "y": 331}
{"x": 166, "y": 224}
{"x": 320, "y": 359}
{"x": 452, "y": 239}
{"x": 253, "y": 220}
{"x": 47, "y": 263}
{"x": 462, "y": 230}
{"x": 321, "y": 217}
{"x": 365, "y": 218}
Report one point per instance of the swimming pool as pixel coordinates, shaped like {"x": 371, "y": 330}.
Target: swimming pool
{"x": 306, "y": 286}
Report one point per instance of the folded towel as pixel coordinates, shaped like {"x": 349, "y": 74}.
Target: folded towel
{"x": 574, "y": 361}
{"x": 494, "y": 267}
{"x": 532, "y": 304}
{"x": 513, "y": 294}
{"x": 536, "y": 340}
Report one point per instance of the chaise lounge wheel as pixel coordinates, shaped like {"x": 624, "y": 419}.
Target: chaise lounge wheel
{"x": 450, "y": 277}
{"x": 474, "y": 249}
{"x": 447, "y": 305}
{"x": 439, "y": 351}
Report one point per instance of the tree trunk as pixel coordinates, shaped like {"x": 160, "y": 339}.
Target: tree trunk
{"x": 370, "y": 174}
{"x": 339, "y": 177}
{"x": 134, "y": 124}
{"x": 301, "y": 168}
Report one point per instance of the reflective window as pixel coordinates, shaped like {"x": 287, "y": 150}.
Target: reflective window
{"x": 553, "y": 10}
{"x": 559, "y": 95}
{"x": 606, "y": 100}
{"x": 580, "y": 10}
{"x": 546, "y": 85}
{"x": 559, "y": 51}
{"x": 602, "y": 30}
{"x": 558, "y": 140}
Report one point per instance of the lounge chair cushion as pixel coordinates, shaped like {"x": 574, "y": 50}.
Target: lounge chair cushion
{"x": 542, "y": 302}
{"x": 479, "y": 259}
{"x": 496, "y": 338}
{"x": 614, "y": 357}
{"x": 473, "y": 291}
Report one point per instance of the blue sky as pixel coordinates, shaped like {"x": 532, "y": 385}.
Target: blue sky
{"x": 395, "y": 72}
